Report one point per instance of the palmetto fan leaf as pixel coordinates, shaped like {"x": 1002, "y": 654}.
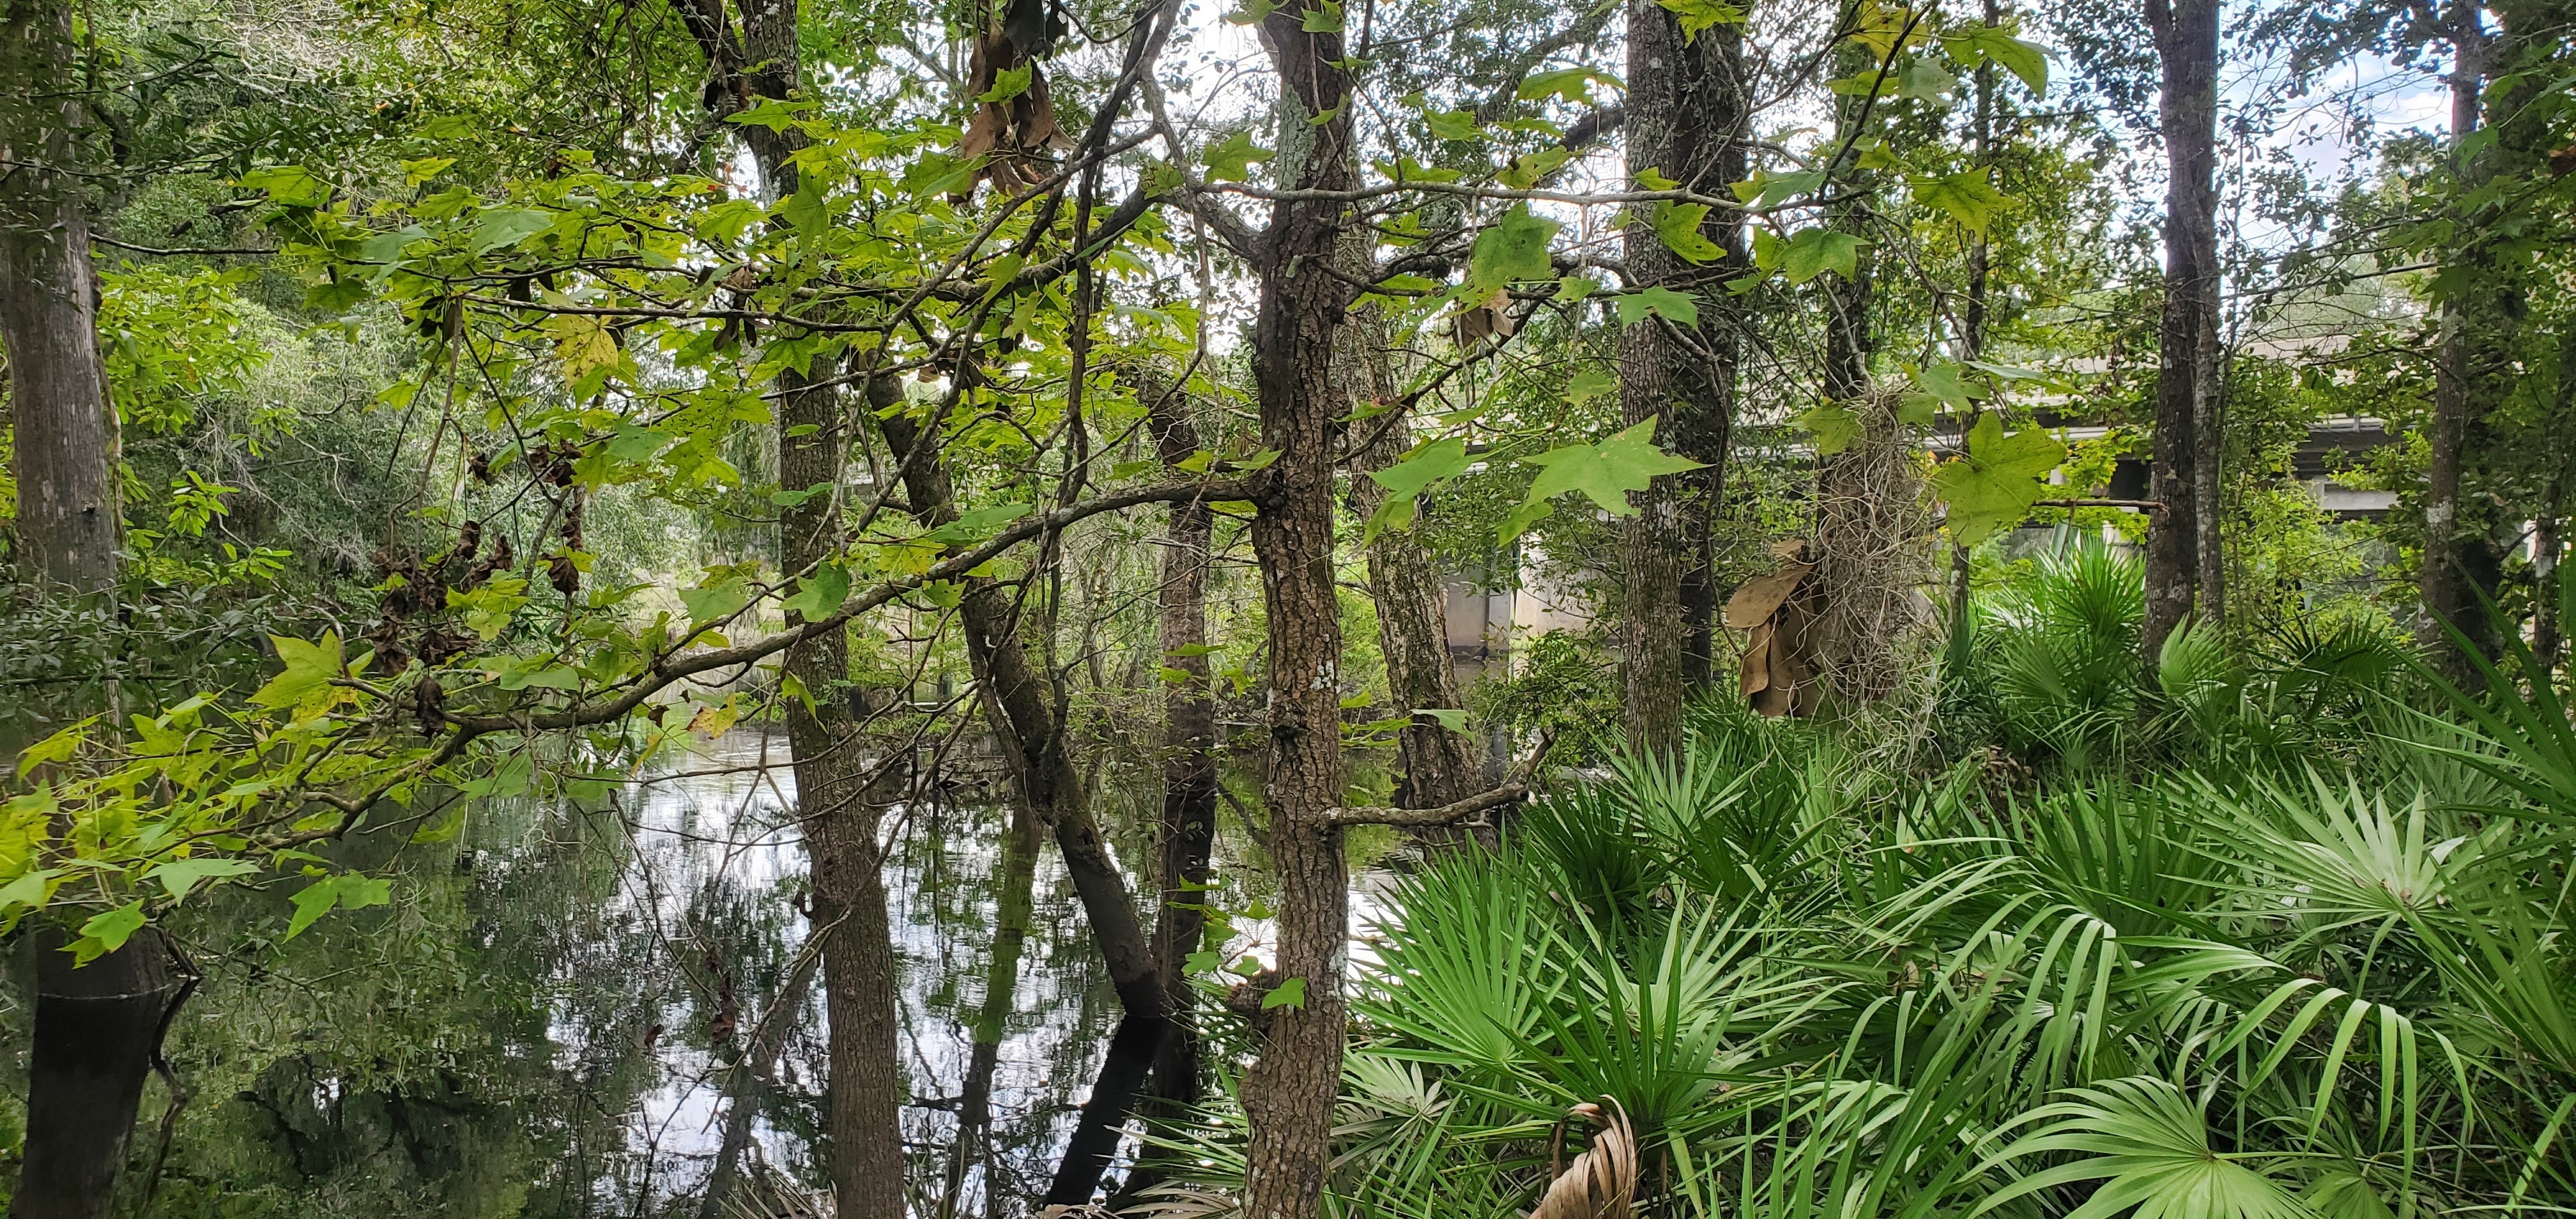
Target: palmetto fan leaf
{"x": 2148, "y": 1146}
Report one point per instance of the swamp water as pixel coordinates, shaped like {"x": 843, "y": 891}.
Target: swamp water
{"x": 539, "y": 1024}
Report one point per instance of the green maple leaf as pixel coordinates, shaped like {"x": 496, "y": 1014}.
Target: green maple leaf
{"x": 1834, "y": 426}
{"x": 1290, "y": 993}
{"x": 1453, "y": 125}
{"x": 1992, "y": 486}
{"x": 1604, "y": 473}
{"x": 1949, "y": 383}
{"x": 1697, "y": 15}
{"x": 1325, "y": 20}
{"x": 309, "y": 667}
{"x": 1511, "y": 250}
{"x": 716, "y": 601}
{"x": 2023, "y": 59}
{"x": 1406, "y": 480}
{"x": 1812, "y": 252}
{"x": 347, "y": 891}
{"x": 820, "y": 593}
{"x": 1967, "y": 196}
{"x": 105, "y": 933}
{"x": 1678, "y": 224}
{"x": 181, "y": 875}
{"x": 1231, "y": 160}
{"x": 1665, "y": 303}
{"x": 1009, "y": 83}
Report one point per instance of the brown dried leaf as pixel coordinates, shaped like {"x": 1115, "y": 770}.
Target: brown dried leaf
{"x": 1762, "y": 596}
{"x": 1600, "y": 1183}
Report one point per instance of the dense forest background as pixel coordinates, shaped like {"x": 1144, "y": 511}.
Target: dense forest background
{"x": 1461, "y": 607}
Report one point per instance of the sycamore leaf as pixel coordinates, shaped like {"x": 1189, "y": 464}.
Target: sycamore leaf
{"x": 1994, "y": 43}
{"x": 1511, "y": 250}
{"x": 977, "y": 525}
{"x": 1290, "y": 993}
{"x": 502, "y": 228}
{"x": 1836, "y": 427}
{"x": 181, "y": 875}
{"x": 1453, "y": 125}
{"x": 1570, "y": 84}
{"x": 1967, "y": 196}
{"x": 1527, "y": 168}
{"x": 105, "y": 933}
{"x": 1949, "y": 383}
{"x": 1674, "y": 307}
{"x": 804, "y": 210}
{"x": 309, "y": 667}
{"x": 1678, "y": 224}
{"x": 819, "y": 593}
{"x": 1606, "y": 472}
{"x": 1697, "y": 15}
{"x": 583, "y": 343}
{"x": 347, "y": 891}
{"x": 1992, "y": 486}
{"x": 714, "y": 602}
{"x": 1588, "y": 384}
{"x": 1009, "y": 83}
{"x": 1406, "y": 480}
{"x": 1204, "y": 961}
{"x": 33, "y": 889}
{"x": 1231, "y": 160}
{"x": 1324, "y": 20}
{"x": 1812, "y": 252}
{"x": 1452, "y": 718}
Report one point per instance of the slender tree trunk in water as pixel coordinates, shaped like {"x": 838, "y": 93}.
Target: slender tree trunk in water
{"x": 2186, "y": 34}
{"x": 1412, "y": 625}
{"x": 97, "y": 1029}
{"x": 1015, "y": 909}
{"x": 748, "y": 1086}
{"x": 2448, "y": 581}
{"x": 1186, "y": 838}
{"x": 1289, "y": 1092}
{"x": 1019, "y": 700}
{"x": 65, "y": 457}
{"x": 1685, "y": 121}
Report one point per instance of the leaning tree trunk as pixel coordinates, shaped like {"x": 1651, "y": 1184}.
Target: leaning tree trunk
{"x": 2186, "y": 34}
{"x": 65, "y": 455}
{"x": 1685, "y": 121}
{"x": 1288, "y": 1095}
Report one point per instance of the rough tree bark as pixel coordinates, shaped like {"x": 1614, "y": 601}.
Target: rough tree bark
{"x": 2186, "y": 35}
{"x": 1685, "y": 120}
{"x": 65, "y": 458}
{"x": 837, "y": 801}
{"x": 1412, "y": 625}
{"x": 2448, "y": 581}
{"x": 1289, "y": 1092}
{"x": 1186, "y": 836}
{"x": 97, "y": 1029}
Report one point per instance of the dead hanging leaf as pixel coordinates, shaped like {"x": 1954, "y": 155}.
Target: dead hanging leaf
{"x": 1602, "y": 1182}
{"x": 1013, "y": 132}
{"x": 1490, "y": 318}
{"x": 1779, "y": 669}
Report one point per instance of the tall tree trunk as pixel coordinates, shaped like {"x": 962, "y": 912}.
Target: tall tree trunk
{"x": 97, "y": 1029}
{"x": 65, "y": 459}
{"x": 1288, "y": 1095}
{"x": 2186, "y": 34}
{"x": 98, "y": 1026}
{"x": 1412, "y": 624}
{"x": 841, "y": 810}
{"x": 2447, "y": 582}
{"x": 1685, "y": 120}
{"x": 1186, "y": 836}
{"x": 838, "y": 803}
